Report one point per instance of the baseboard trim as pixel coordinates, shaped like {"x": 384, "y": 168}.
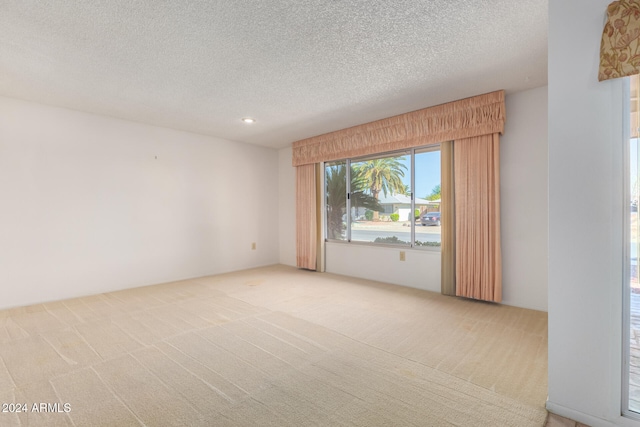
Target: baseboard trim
{"x": 589, "y": 419}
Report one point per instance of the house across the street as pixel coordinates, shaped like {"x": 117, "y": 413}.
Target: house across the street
{"x": 401, "y": 204}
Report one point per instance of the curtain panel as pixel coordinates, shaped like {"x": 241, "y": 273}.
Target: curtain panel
{"x": 478, "y": 254}
{"x": 306, "y": 218}
{"x": 448, "y": 221}
{"x": 479, "y": 115}
{"x": 620, "y": 44}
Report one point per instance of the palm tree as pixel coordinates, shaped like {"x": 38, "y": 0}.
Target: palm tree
{"x": 336, "y": 192}
{"x": 383, "y": 175}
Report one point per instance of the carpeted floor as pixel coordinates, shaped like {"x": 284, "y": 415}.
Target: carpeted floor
{"x": 272, "y": 346}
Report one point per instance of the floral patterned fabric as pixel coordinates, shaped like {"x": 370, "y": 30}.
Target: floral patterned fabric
{"x": 620, "y": 47}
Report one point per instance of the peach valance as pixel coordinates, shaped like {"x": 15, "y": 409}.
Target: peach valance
{"x": 466, "y": 118}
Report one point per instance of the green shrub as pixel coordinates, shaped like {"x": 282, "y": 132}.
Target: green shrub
{"x": 391, "y": 240}
{"x": 416, "y": 214}
{"x": 419, "y": 243}
{"x": 394, "y": 216}
{"x": 368, "y": 215}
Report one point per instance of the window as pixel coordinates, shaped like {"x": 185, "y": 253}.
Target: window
{"x": 336, "y": 199}
{"x": 633, "y": 286}
{"x": 371, "y": 199}
{"x": 427, "y": 180}
{"x": 632, "y": 239}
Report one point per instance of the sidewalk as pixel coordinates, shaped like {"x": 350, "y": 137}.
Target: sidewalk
{"x": 399, "y": 226}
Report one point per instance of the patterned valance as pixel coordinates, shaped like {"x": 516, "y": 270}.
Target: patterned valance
{"x": 619, "y": 49}
{"x": 479, "y": 115}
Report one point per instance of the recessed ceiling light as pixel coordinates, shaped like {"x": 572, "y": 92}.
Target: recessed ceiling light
{"x": 248, "y": 120}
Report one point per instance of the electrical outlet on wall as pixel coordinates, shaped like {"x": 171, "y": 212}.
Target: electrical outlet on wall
{"x": 403, "y": 256}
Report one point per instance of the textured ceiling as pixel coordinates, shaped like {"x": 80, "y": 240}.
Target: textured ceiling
{"x": 299, "y": 67}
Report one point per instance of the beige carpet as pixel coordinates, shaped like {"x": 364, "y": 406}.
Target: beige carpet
{"x": 273, "y": 346}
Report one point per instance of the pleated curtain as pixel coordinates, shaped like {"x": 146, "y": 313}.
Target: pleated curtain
{"x": 478, "y": 256}
{"x": 447, "y": 220}
{"x": 306, "y": 218}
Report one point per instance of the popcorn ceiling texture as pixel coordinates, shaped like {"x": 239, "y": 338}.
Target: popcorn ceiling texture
{"x": 300, "y": 68}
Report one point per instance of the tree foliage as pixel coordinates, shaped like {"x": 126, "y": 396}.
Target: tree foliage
{"x": 383, "y": 175}
{"x": 435, "y": 193}
{"x": 336, "y": 193}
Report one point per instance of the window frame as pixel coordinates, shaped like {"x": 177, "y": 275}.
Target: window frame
{"x": 411, "y": 152}
{"x": 626, "y": 409}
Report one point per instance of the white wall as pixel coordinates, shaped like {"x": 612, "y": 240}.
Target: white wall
{"x": 523, "y": 198}
{"x": 421, "y": 269}
{"x": 90, "y": 204}
{"x": 585, "y": 219}
{"x": 524, "y": 217}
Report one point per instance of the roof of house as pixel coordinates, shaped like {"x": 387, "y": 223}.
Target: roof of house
{"x": 401, "y": 199}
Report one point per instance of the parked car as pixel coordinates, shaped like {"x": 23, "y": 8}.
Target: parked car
{"x": 430, "y": 218}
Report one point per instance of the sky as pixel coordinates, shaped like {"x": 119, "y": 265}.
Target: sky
{"x": 427, "y": 172}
